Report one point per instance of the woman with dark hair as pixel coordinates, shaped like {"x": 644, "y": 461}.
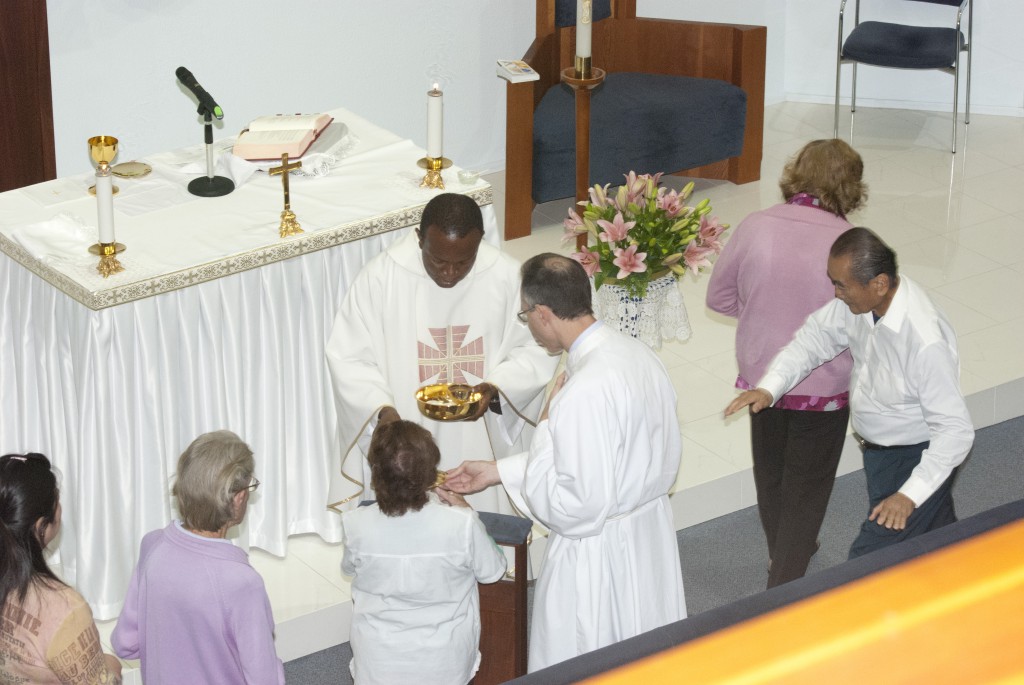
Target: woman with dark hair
{"x": 196, "y": 611}
{"x": 415, "y": 565}
{"x": 771, "y": 276}
{"x": 48, "y": 634}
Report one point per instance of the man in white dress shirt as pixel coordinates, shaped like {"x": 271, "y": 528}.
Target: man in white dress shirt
{"x": 438, "y": 306}
{"x": 601, "y": 462}
{"x": 905, "y": 398}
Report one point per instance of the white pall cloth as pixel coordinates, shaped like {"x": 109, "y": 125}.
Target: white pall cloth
{"x": 660, "y": 315}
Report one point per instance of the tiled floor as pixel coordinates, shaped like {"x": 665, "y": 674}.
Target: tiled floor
{"x": 957, "y": 224}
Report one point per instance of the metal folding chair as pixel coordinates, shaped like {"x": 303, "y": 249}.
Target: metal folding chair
{"x": 902, "y": 46}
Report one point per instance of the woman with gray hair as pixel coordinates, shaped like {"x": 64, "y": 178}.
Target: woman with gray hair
{"x": 196, "y": 611}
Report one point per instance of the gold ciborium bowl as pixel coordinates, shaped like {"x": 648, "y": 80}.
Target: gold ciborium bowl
{"x": 444, "y": 402}
{"x": 103, "y": 149}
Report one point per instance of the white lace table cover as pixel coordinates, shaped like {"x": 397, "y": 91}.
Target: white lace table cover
{"x": 659, "y": 316}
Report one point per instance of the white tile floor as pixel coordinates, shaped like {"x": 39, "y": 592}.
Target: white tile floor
{"x": 957, "y": 224}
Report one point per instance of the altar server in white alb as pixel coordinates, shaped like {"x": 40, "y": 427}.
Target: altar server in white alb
{"x": 905, "y": 397}
{"x": 437, "y": 306}
{"x": 601, "y": 462}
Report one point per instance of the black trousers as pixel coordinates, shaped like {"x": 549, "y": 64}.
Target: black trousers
{"x": 887, "y": 470}
{"x": 796, "y": 454}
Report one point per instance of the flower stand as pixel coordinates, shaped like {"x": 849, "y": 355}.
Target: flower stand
{"x": 660, "y": 315}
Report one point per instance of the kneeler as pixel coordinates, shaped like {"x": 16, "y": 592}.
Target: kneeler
{"x": 503, "y": 606}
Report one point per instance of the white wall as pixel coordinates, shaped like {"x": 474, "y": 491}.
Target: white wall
{"x": 997, "y": 85}
{"x": 113, "y": 62}
{"x": 802, "y": 46}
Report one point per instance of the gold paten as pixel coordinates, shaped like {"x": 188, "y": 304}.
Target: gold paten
{"x": 444, "y": 402}
{"x": 131, "y": 169}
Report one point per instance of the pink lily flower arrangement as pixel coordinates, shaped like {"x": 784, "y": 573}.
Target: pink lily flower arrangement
{"x": 643, "y": 231}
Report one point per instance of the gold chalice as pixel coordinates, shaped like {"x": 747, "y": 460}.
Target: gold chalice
{"x": 102, "y": 149}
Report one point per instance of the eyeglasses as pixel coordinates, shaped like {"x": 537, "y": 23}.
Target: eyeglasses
{"x": 522, "y": 315}
{"x": 251, "y": 487}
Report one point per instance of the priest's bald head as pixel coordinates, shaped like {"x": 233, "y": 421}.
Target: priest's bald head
{"x": 556, "y": 300}
{"x": 449, "y": 234}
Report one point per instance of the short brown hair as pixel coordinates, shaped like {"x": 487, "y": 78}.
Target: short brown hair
{"x": 831, "y": 171}
{"x": 403, "y": 466}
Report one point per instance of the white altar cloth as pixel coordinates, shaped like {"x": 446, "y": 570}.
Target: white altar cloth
{"x": 216, "y": 323}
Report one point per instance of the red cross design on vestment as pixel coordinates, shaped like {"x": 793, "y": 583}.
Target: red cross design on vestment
{"x": 449, "y": 357}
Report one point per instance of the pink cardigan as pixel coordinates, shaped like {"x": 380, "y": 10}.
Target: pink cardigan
{"x": 771, "y": 276}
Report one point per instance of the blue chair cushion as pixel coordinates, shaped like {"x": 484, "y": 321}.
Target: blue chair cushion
{"x": 565, "y": 12}
{"x": 641, "y": 122}
{"x": 905, "y": 47}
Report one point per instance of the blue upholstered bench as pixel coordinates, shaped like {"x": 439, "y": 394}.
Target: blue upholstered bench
{"x": 642, "y": 122}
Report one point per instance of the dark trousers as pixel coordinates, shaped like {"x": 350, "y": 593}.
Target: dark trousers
{"x": 886, "y": 471}
{"x": 796, "y": 454}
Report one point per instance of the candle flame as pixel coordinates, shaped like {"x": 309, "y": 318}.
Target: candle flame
{"x": 437, "y": 86}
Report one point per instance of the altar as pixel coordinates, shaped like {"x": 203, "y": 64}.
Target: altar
{"x": 215, "y": 323}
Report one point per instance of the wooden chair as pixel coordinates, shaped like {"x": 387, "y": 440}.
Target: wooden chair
{"x": 654, "y": 48}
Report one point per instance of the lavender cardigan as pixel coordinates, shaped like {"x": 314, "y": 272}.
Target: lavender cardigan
{"x": 197, "y": 612}
{"x": 771, "y": 276}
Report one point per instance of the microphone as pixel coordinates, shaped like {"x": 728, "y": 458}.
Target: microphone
{"x": 205, "y": 100}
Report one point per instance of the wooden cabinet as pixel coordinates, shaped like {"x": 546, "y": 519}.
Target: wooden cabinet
{"x": 503, "y": 606}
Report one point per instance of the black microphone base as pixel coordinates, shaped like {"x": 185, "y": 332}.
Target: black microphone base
{"x": 206, "y": 186}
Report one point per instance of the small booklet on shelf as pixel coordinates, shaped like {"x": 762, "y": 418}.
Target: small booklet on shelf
{"x": 272, "y": 136}
{"x": 516, "y": 71}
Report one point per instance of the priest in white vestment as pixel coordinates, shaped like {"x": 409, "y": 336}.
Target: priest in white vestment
{"x": 438, "y": 306}
{"x": 598, "y": 472}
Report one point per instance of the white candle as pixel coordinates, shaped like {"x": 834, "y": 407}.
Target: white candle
{"x": 105, "y": 205}
{"x": 583, "y": 26}
{"x": 435, "y": 122}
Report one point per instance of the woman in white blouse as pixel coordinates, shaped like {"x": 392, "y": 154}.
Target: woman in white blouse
{"x": 415, "y": 562}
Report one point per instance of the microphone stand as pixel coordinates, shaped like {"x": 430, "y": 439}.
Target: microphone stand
{"x": 210, "y": 185}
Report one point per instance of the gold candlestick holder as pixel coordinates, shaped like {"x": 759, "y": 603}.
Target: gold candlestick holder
{"x": 583, "y": 68}
{"x": 582, "y": 85}
{"x": 433, "y": 165}
{"x": 289, "y": 225}
{"x": 109, "y": 263}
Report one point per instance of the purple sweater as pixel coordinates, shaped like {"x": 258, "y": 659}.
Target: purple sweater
{"x": 771, "y": 276}
{"x": 197, "y": 612}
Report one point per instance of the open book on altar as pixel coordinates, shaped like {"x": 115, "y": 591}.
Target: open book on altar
{"x": 272, "y": 136}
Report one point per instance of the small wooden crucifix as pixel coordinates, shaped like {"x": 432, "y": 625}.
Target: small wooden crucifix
{"x": 289, "y": 225}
